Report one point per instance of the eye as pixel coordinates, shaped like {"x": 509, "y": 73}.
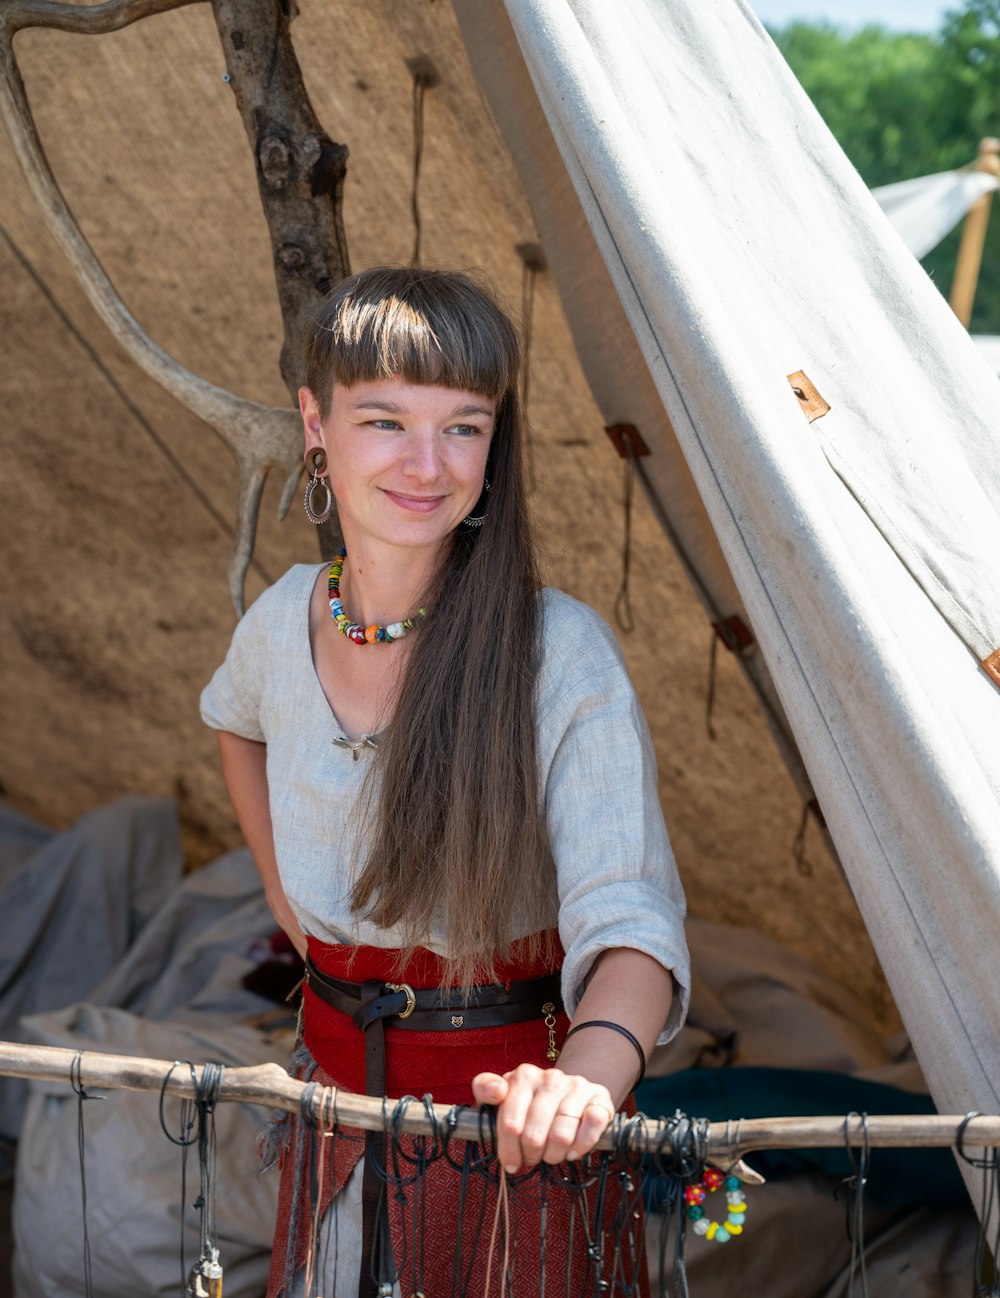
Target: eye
{"x": 465, "y": 430}
{"x": 386, "y": 424}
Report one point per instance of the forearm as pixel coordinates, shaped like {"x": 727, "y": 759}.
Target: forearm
{"x": 557, "y": 1113}
{"x": 244, "y": 768}
{"x": 629, "y": 988}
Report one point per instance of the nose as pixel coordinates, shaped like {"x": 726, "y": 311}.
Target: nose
{"x": 423, "y": 460}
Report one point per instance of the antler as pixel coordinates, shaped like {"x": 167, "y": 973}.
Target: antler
{"x": 259, "y": 437}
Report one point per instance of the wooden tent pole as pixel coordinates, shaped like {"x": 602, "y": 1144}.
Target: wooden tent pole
{"x": 970, "y": 250}
{"x": 270, "y": 1086}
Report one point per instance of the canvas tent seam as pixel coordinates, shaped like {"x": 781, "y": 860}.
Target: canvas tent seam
{"x": 976, "y": 639}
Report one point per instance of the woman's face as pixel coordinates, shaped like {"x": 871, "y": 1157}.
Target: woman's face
{"x": 406, "y": 461}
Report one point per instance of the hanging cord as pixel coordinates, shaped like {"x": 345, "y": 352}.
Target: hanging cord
{"x": 713, "y": 658}
{"x": 802, "y": 862}
{"x": 855, "y": 1187}
{"x": 76, "y": 1081}
{"x": 381, "y": 1264}
{"x": 330, "y": 1128}
{"x": 424, "y": 77}
{"x": 197, "y": 1126}
{"x": 419, "y": 86}
{"x": 207, "y": 1277}
{"x": 309, "y": 1123}
{"x": 623, "y": 601}
{"x": 500, "y": 1213}
{"x": 477, "y": 1158}
{"x": 628, "y": 1226}
{"x": 185, "y": 1139}
{"x": 680, "y": 1160}
{"x": 987, "y": 1256}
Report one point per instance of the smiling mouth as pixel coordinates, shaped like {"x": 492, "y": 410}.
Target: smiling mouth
{"x": 415, "y": 504}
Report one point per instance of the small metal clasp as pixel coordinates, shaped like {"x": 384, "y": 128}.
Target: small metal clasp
{"x": 411, "y": 1000}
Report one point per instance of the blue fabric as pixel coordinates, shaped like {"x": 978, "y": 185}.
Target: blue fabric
{"x": 898, "y": 1178}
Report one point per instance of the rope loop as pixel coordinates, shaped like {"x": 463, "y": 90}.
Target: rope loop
{"x": 187, "y": 1117}
{"x": 307, "y": 1103}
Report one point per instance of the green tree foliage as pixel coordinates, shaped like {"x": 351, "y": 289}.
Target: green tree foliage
{"x": 904, "y": 105}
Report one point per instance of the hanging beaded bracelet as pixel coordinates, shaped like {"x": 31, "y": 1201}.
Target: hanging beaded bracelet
{"x": 736, "y": 1206}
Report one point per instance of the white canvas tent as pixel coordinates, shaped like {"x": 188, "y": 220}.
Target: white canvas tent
{"x": 678, "y": 173}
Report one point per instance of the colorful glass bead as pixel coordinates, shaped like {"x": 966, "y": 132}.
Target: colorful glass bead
{"x": 695, "y": 1195}
{"x": 363, "y": 634}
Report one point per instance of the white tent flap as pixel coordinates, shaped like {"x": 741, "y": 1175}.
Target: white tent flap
{"x": 744, "y": 247}
{"x": 927, "y": 208}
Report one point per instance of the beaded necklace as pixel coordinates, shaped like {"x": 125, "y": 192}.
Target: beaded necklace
{"x": 354, "y": 630}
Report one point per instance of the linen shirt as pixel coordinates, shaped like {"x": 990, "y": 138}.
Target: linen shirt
{"x": 617, "y": 883}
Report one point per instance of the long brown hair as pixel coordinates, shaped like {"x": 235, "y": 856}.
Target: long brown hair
{"x": 454, "y": 833}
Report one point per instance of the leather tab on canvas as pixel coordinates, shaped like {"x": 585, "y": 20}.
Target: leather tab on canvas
{"x": 813, "y": 405}
{"x": 991, "y": 665}
{"x": 627, "y": 440}
{"x": 734, "y": 633}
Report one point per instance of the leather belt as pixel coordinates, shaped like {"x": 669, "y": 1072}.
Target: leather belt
{"x": 368, "y": 1005}
{"x": 435, "y": 1009}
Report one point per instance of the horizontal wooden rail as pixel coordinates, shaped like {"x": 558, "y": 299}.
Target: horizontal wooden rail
{"x": 270, "y": 1086}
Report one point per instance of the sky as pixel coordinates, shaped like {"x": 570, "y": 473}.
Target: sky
{"x": 899, "y": 15}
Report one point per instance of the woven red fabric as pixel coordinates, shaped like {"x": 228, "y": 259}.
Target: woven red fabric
{"x": 442, "y": 1063}
{"x": 433, "y": 1257}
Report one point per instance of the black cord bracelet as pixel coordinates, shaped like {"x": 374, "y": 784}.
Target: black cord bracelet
{"x": 624, "y": 1032}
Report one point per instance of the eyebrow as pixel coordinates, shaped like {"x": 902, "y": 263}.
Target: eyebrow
{"x": 393, "y": 408}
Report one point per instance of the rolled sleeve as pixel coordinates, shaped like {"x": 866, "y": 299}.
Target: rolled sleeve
{"x": 617, "y": 880}
{"x": 232, "y": 699}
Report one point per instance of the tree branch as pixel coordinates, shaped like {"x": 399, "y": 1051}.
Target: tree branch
{"x": 259, "y": 437}
{"x": 300, "y": 176}
{"x": 87, "y": 20}
{"x": 270, "y": 1086}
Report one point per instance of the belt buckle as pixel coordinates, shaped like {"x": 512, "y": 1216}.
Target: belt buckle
{"x": 411, "y": 1000}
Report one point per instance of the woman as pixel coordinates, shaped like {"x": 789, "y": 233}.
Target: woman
{"x": 441, "y": 769}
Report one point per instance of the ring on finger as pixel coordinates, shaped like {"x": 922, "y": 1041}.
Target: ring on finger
{"x": 599, "y": 1104}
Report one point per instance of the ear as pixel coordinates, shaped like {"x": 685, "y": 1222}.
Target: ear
{"x": 312, "y": 423}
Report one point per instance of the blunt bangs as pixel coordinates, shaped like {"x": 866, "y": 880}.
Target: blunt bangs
{"x": 426, "y": 327}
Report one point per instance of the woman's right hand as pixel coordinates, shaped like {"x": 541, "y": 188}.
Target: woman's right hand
{"x": 544, "y": 1114}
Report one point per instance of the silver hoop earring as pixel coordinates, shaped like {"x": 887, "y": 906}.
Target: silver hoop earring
{"x": 477, "y": 520}
{"x": 316, "y": 463}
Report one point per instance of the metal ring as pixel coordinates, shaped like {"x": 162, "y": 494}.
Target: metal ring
{"x": 411, "y": 1000}
{"x": 599, "y": 1104}
{"x": 318, "y": 516}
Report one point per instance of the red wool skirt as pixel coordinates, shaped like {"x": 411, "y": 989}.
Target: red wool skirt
{"x": 452, "y": 1256}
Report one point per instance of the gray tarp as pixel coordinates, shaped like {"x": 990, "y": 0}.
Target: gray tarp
{"x": 712, "y": 202}
{"x": 144, "y": 963}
